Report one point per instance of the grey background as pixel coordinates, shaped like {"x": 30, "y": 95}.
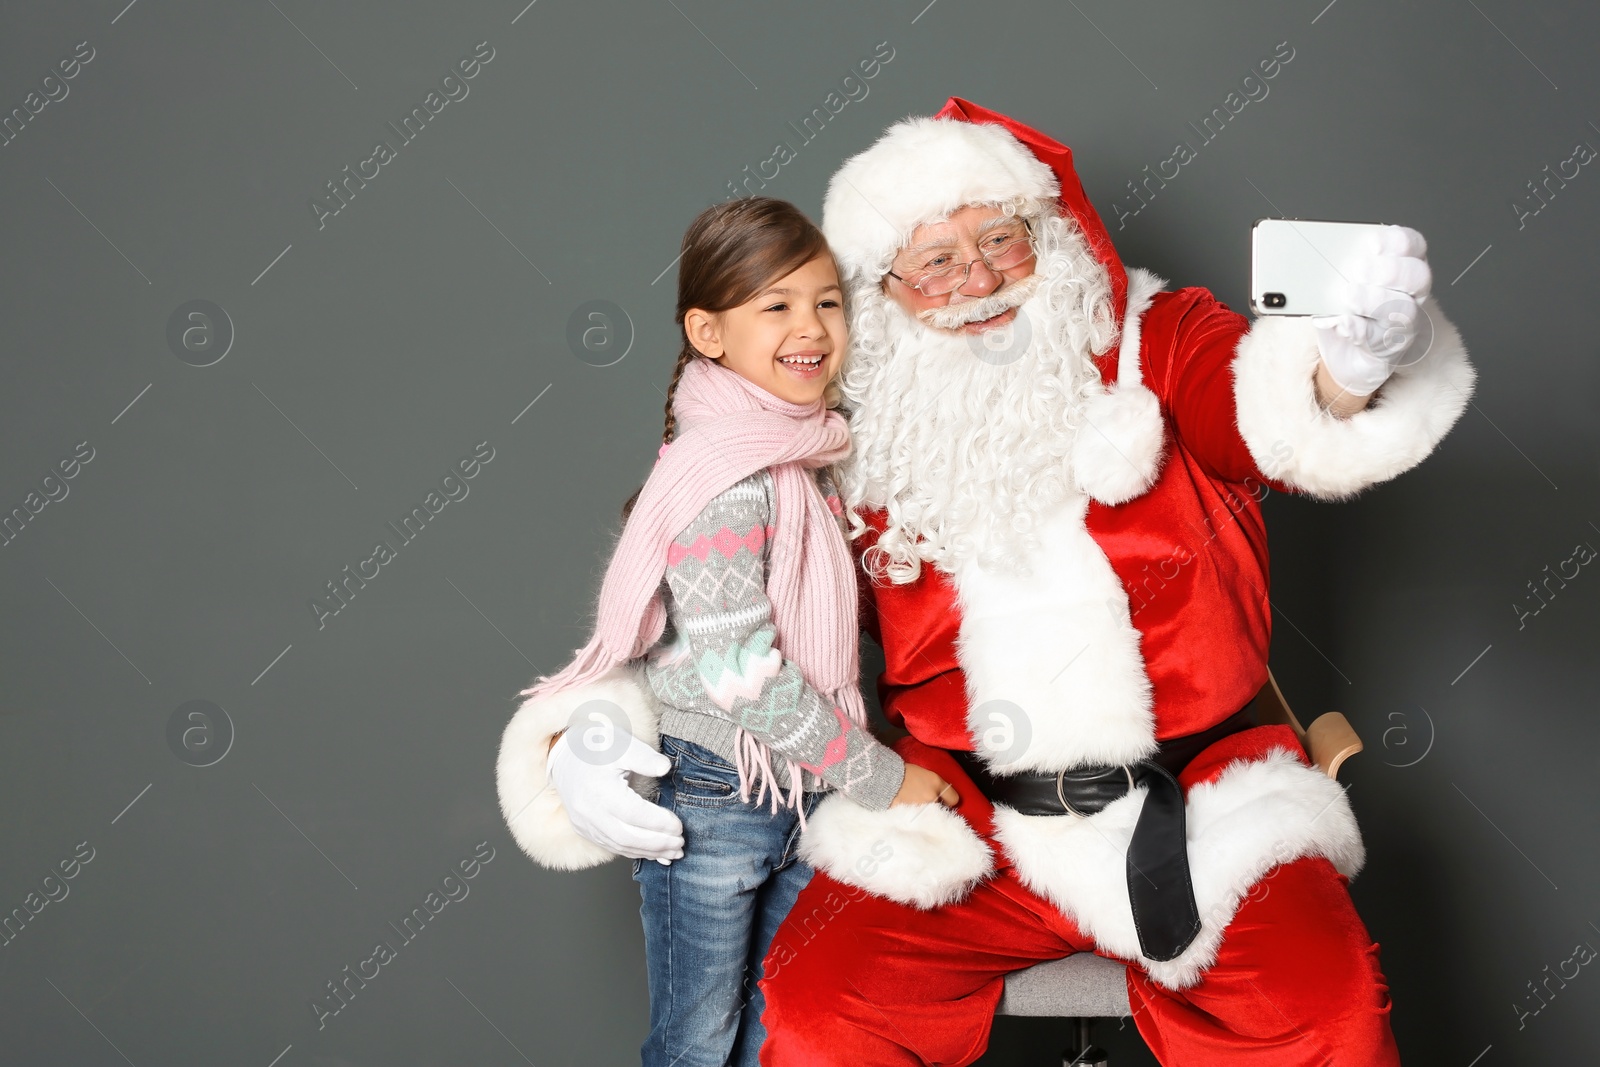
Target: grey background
{"x": 425, "y": 318}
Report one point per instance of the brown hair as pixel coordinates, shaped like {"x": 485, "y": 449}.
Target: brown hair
{"x": 730, "y": 252}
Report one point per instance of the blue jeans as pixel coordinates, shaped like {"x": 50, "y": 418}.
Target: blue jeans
{"x": 710, "y": 916}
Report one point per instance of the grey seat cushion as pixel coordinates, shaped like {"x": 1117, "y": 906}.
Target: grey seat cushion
{"x": 1082, "y": 984}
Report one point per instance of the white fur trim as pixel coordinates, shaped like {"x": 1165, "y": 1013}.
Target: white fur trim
{"x": 923, "y": 855}
{"x": 1143, "y": 285}
{"x": 1053, "y": 671}
{"x": 1293, "y": 440}
{"x": 1254, "y": 817}
{"x": 920, "y": 169}
{"x": 538, "y": 822}
{"x": 1118, "y": 452}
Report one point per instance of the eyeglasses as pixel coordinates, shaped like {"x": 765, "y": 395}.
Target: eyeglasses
{"x": 1002, "y": 249}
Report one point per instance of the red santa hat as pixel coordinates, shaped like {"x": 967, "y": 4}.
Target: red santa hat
{"x": 924, "y": 168}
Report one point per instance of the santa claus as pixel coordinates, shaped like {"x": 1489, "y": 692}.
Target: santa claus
{"x": 1057, "y": 472}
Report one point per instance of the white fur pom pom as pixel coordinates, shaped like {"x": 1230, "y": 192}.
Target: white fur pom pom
{"x": 1119, "y": 448}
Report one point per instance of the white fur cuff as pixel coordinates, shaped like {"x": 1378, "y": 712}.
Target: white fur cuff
{"x": 535, "y": 815}
{"x": 1294, "y": 441}
{"x": 924, "y": 855}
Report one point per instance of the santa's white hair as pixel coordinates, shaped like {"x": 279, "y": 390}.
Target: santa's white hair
{"x": 965, "y": 439}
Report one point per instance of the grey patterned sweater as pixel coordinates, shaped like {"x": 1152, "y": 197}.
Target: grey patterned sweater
{"x": 715, "y": 668}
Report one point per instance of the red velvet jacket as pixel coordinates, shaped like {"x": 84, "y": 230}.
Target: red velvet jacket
{"x": 1191, "y": 553}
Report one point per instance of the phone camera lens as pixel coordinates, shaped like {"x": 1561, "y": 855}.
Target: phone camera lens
{"x": 1274, "y": 300}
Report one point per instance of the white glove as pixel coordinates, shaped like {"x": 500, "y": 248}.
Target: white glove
{"x": 604, "y": 808}
{"x": 1384, "y": 292}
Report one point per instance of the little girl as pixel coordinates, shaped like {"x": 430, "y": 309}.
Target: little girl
{"x": 733, "y": 579}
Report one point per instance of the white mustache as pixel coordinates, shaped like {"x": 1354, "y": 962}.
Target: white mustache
{"x": 954, "y": 316}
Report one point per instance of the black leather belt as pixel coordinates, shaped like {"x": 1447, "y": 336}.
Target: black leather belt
{"x": 1159, "y": 888}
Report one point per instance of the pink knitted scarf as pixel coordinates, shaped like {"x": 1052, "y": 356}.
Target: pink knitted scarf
{"x": 730, "y": 428}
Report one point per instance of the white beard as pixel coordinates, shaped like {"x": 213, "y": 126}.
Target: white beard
{"x": 965, "y": 439}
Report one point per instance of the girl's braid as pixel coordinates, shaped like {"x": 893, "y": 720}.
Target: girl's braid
{"x": 671, "y": 428}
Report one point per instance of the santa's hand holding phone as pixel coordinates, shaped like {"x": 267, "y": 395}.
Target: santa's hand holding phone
{"x": 1385, "y": 290}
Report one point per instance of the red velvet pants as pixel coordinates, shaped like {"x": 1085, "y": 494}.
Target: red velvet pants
{"x": 855, "y": 979}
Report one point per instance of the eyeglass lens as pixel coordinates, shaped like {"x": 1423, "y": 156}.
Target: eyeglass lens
{"x": 1001, "y": 251}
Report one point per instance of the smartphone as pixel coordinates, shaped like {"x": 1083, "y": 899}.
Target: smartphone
{"x": 1295, "y": 264}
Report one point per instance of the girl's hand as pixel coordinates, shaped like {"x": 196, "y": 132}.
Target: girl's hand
{"x": 922, "y": 786}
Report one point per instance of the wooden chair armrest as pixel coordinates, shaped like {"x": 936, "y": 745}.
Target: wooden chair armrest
{"x": 1331, "y": 740}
